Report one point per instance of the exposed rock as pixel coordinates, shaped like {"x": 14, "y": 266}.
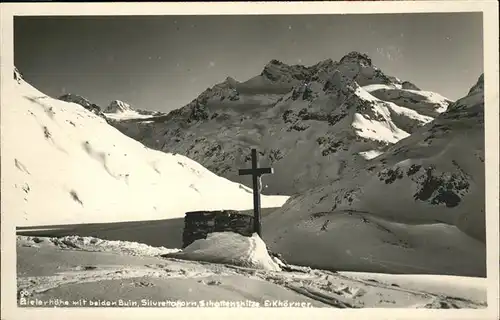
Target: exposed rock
{"x": 410, "y": 86}
{"x": 95, "y": 109}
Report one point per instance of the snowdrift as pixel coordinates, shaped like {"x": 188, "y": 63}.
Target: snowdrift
{"x": 94, "y": 244}
{"x": 63, "y": 164}
{"x": 230, "y": 248}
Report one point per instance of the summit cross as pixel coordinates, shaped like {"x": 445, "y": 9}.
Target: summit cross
{"x": 256, "y": 174}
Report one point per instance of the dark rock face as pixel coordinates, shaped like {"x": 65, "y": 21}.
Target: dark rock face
{"x": 199, "y": 113}
{"x": 17, "y": 75}
{"x": 441, "y": 189}
{"x": 479, "y": 86}
{"x": 198, "y": 224}
{"x": 356, "y": 57}
{"x": 390, "y": 175}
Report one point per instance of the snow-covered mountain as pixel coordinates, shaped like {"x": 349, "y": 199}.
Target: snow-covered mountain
{"x": 62, "y": 163}
{"x": 76, "y": 268}
{"x": 312, "y": 124}
{"x": 118, "y": 110}
{"x": 419, "y": 205}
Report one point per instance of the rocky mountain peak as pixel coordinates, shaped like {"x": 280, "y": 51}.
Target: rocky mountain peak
{"x": 276, "y": 71}
{"x": 357, "y": 57}
{"x": 342, "y": 114}
{"x": 275, "y": 62}
{"x": 469, "y": 107}
{"x": 409, "y": 86}
{"x": 228, "y": 83}
{"x": 359, "y": 67}
{"x": 231, "y": 81}
{"x": 117, "y": 106}
{"x": 479, "y": 86}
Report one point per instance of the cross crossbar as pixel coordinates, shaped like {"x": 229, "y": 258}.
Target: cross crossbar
{"x": 258, "y": 171}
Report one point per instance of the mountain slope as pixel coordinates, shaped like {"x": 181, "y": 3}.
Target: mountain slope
{"x": 117, "y": 106}
{"x": 421, "y": 203}
{"x": 63, "y": 164}
{"x": 312, "y": 124}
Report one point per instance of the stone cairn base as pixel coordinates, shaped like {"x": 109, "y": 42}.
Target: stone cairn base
{"x": 198, "y": 224}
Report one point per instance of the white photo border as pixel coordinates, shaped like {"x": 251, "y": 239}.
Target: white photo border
{"x": 489, "y": 9}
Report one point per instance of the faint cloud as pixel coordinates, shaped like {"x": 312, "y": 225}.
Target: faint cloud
{"x": 211, "y": 64}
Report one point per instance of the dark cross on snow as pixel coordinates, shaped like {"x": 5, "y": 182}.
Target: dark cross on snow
{"x": 256, "y": 173}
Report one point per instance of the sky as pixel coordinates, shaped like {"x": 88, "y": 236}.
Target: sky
{"x": 164, "y": 62}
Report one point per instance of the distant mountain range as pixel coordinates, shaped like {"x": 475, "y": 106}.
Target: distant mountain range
{"x": 116, "y": 110}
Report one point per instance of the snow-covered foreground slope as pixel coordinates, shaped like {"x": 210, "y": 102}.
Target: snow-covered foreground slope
{"x": 362, "y": 242}
{"x": 63, "y": 164}
{"x": 72, "y": 269}
{"x": 419, "y": 207}
{"x": 312, "y": 124}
